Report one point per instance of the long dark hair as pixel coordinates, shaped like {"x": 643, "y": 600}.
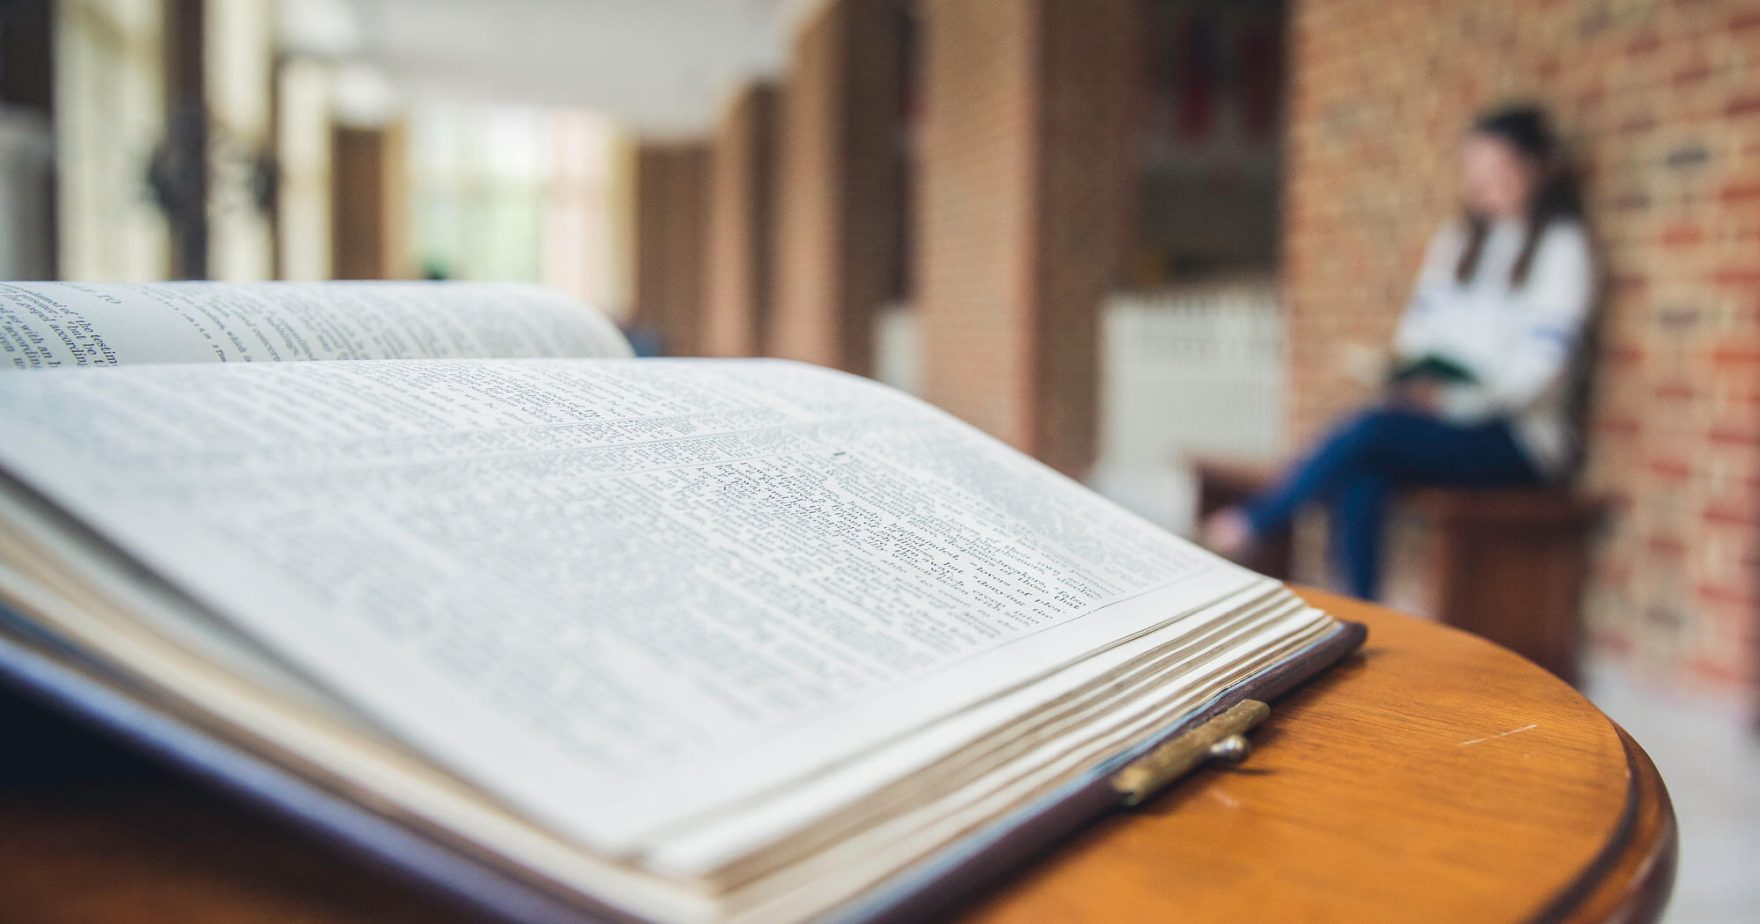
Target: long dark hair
{"x": 1557, "y": 194}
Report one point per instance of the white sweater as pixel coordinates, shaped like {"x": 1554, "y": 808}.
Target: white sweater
{"x": 1519, "y": 342}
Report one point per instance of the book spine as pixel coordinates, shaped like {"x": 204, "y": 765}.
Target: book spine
{"x": 962, "y": 875}
{"x": 381, "y": 841}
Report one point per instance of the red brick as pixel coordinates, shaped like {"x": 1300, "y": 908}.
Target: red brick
{"x": 840, "y": 213}
{"x": 740, "y": 246}
{"x": 1676, "y": 390}
{"x": 1615, "y": 572}
{"x": 1670, "y": 469}
{"x": 1613, "y": 642}
{"x": 1666, "y": 546}
{"x": 1025, "y": 146}
{"x": 1719, "y": 671}
{"x": 1637, "y": 124}
{"x": 1690, "y": 75}
{"x": 669, "y": 238}
{"x": 1741, "y": 597}
{"x": 1740, "y": 192}
{"x": 1738, "y": 277}
{"x": 1733, "y": 436}
{"x": 1736, "y": 354}
{"x": 1732, "y": 516}
{"x": 1682, "y": 235}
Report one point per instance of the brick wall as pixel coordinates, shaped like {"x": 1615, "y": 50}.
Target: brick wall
{"x": 739, "y": 196}
{"x": 1020, "y": 182}
{"x": 1091, "y": 67}
{"x": 669, "y": 246}
{"x": 1662, "y": 101}
{"x": 838, "y": 211}
{"x": 367, "y": 203}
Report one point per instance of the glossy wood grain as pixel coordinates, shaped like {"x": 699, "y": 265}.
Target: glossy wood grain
{"x": 1633, "y": 879}
{"x": 1434, "y": 777}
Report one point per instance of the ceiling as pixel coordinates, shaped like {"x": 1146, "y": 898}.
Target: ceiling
{"x": 662, "y": 67}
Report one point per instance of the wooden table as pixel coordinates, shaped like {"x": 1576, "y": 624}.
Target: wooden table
{"x": 1435, "y": 777}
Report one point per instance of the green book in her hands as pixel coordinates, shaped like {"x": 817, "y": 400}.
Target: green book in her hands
{"x": 1431, "y": 366}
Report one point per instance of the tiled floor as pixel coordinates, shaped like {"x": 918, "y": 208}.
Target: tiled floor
{"x": 1710, "y": 761}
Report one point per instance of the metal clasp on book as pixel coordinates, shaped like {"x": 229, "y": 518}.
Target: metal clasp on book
{"x": 1223, "y": 739}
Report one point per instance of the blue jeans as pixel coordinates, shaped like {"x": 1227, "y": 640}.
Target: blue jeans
{"x": 1356, "y": 468}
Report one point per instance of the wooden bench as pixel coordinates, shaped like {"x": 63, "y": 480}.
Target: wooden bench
{"x": 1506, "y": 564}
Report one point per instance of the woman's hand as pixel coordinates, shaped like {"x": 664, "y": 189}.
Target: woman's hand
{"x": 1421, "y": 394}
{"x": 1227, "y": 532}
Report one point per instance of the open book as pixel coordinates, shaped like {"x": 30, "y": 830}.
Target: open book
{"x": 570, "y": 633}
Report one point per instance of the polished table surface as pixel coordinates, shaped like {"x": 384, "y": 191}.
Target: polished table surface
{"x": 1433, "y": 777}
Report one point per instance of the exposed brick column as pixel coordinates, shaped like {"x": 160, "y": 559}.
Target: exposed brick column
{"x": 1659, "y": 101}
{"x": 1022, "y": 178}
{"x": 670, "y": 236}
{"x": 740, "y": 193}
{"x": 839, "y": 210}
{"x": 367, "y": 214}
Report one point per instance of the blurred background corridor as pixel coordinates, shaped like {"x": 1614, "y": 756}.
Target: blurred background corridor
{"x": 1155, "y": 243}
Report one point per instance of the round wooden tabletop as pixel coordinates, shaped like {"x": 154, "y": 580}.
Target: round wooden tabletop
{"x": 1433, "y": 777}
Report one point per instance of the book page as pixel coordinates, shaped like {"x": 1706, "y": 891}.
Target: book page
{"x": 618, "y": 594}
{"x": 50, "y": 325}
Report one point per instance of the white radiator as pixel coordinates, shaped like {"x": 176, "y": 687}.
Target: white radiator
{"x": 1186, "y": 372}
{"x": 897, "y": 361}
{"x": 1192, "y": 371}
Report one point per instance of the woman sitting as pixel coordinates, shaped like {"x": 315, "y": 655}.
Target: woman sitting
{"x": 1478, "y": 395}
